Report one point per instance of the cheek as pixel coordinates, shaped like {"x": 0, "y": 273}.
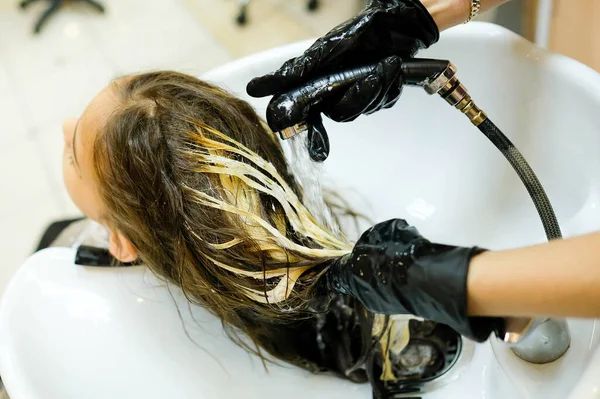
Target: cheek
{"x": 82, "y": 191}
{"x": 70, "y": 178}
{"x": 77, "y": 189}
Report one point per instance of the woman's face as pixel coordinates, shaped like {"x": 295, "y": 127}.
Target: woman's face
{"x": 78, "y": 168}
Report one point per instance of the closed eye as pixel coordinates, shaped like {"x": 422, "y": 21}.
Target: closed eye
{"x": 70, "y": 156}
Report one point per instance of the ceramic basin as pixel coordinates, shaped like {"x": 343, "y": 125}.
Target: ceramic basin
{"x": 72, "y": 332}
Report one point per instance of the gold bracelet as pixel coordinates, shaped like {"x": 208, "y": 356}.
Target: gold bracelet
{"x": 475, "y": 6}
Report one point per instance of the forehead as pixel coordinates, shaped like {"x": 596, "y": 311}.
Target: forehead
{"x": 93, "y": 120}
{"x": 100, "y": 108}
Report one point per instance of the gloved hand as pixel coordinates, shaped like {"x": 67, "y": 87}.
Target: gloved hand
{"x": 394, "y": 270}
{"x": 383, "y": 29}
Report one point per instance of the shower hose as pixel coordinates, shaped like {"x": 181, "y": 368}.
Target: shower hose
{"x": 415, "y": 71}
{"x": 527, "y": 175}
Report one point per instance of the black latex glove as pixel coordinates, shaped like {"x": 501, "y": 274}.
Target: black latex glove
{"x": 394, "y": 270}
{"x": 383, "y": 29}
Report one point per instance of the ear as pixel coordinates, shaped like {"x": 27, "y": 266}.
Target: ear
{"x": 121, "y": 248}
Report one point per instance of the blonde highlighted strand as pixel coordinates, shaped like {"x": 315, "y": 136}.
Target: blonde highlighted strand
{"x": 194, "y": 179}
{"x": 240, "y": 181}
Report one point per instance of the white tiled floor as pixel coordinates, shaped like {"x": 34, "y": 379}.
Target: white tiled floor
{"x": 46, "y": 78}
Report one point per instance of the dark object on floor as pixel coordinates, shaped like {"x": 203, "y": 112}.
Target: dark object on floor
{"x": 54, "y": 5}
{"x": 242, "y": 17}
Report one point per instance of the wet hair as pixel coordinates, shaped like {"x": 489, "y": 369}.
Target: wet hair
{"x": 199, "y": 185}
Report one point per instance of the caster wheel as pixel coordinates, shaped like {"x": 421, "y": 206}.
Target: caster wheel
{"x": 313, "y": 5}
{"x": 242, "y": 19}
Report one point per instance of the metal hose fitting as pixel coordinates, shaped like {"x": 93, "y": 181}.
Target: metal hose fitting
{"x": 293, "y": 131}
{"x": 452, "y": 90}
{"x": 536, "y": 340}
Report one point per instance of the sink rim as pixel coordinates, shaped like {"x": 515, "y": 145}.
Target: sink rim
{"x": 587, "y": 78}
{"x": 592, "y": 81}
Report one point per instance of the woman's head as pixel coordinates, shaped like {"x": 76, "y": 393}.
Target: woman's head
{"x": 189, "y": 181}
{"x": 78, "y": 163}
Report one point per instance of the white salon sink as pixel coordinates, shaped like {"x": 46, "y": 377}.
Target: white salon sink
{"x": 72, "y": 332}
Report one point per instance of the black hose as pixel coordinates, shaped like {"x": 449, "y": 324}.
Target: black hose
{"x": 528, "y": 177}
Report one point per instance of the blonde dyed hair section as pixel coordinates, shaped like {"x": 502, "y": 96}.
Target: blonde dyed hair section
{"x": 240, "y": 182}
{"x": 196, "y": 181}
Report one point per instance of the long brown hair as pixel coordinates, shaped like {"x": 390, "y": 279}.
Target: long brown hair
{"x": 199, "y": 185}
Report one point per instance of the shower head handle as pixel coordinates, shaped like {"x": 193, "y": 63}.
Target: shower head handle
{"x": 416, "y": 72}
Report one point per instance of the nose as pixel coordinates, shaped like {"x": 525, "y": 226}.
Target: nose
{"x": 68, "y": 128}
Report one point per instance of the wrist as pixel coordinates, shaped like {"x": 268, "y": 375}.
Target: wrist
{"x": 442, "y": 295}
{"x": 473, "y": 280}
{"x": 448, "y": 13}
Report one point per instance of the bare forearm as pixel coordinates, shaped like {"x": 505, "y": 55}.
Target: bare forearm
{"x": 561, "y": 278}
{"x": 448, "y": 13}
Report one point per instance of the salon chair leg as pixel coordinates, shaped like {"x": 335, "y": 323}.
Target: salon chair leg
{"x": 242, "y": 17}
{"x": 23, "y": 4}
{"x": 54, "y": 5}
{"x": 51, "y": 10}
{"x": 96, "y": 5}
